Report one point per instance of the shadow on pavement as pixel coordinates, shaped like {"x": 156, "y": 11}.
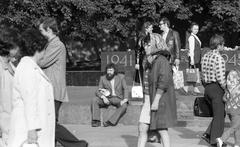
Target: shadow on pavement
{"x": 190, "y": 134}
{"x": 131, "y": 141}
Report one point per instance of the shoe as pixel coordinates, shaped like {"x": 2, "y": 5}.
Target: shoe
{"x": 216, "y": 145}
{"x": 107, "y": 124}
{"x": 224, "y": 144}
{"x": 206, "y": 137}
{"x": 219, "y": 142}
{"x": 96, "y": 123}
{"x": 154, "y": 137}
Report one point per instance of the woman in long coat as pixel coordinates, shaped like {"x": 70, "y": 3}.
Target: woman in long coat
{"x": 162, "y": 96}
{"x": 151, "y": 43}
{"x": 6, "y": 83}
{"x": 33, "y": 114}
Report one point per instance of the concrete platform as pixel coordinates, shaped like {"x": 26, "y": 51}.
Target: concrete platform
{"x": 77, "y": 110}
{"x": 126, "y": 136}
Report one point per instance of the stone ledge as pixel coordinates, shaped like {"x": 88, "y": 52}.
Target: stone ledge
{"x": 77, "y": 111}
{"x": 79, "y": 114}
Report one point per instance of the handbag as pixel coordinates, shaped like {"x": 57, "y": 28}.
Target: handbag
{"x": 178, "y": 78}
{"x": 25, "y": 144}
{"x": 192, "y": 75}
{"x": 137, "y": 90}
{"x": 202, "y": 107}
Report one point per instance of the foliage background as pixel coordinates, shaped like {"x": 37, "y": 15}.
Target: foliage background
{"x": 92, "y": 26}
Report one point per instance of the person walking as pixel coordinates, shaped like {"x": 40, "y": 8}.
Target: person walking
{"x": 232, "y": 99}
{"x": 8, "y": 48}
{"x": 144, "y": 120}
{"x": 162, "y": 95}
{"x": 151, "y": 43}
{"x": 53, "y": 64}
{"x": 32, "y": 116}
{"x": 214, "y": 82}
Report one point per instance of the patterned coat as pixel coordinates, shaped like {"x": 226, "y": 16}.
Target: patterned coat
{"x": 233, "y": 95}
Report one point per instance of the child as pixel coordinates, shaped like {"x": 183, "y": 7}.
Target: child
{"x": 232, "y": 99}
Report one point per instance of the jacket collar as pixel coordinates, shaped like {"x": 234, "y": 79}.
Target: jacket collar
{"x": 7, "y": 66}
{"x": 36, "y": 67}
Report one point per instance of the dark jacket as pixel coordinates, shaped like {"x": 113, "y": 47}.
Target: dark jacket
{"x": 160, "y": 77}
{"x": 174, "y": 44}
{"x": 197, "y": 50}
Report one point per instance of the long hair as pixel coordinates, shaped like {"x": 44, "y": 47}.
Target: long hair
{"x": 113, "y": 66}
{"x": 33, "y": 41}
{"x": 146, "y": 40}
{"x": 9, "y": 39}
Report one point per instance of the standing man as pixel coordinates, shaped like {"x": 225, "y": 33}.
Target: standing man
{"x": 213, "y": 78}
{"x": 54, "y": 65}
{"x": 172, "y": 40}
{"x": 112, "y": 90}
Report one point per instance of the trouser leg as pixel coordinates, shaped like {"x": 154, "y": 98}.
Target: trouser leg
{"x": 57, "y": 107}
{"x": 121, "y": 110}
{"x": 96, "y": 104}
{"x": 62, "y": 135}
{"x": 215, "y": 94}
{"x": 235, "y": 126}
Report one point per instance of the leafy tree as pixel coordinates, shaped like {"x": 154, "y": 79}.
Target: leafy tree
{"x": 86, "y": 19}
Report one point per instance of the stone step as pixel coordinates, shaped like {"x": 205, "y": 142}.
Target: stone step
{"x": 77, "y": 111}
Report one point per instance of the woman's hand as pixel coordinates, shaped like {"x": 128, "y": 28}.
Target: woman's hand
{"x": 154, "y": 106}
{"x": 177, "y": 62}
{"x": 192, "y": 62}
{"x": 137, "y": 66}
{"x": 32, "y": 137}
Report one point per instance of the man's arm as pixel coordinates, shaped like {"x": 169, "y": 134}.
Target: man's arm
{"x": 100, "y": 86}
{"x": 125, "y": 88}
{"x": 51, "y": 55}
{"x": 220, "y": 71}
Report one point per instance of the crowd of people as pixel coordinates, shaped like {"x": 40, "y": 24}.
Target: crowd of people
{"x": 33, "y": 86}
{"x": 160, "y": 52}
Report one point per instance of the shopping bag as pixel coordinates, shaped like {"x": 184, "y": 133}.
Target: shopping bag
{"x": 178, "y": 79}
{"x": 105, "y": 92}
{"x": 25, "y": 144}
{"x": 202, "y": 108}
{"x": 137, "y": 90}
{"x": 192, "y": 75}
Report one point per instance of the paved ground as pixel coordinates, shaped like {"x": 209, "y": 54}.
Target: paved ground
{"x": 126, "y": 136}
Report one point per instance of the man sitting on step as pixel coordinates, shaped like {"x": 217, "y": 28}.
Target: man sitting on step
{"x": 112, "y": 91}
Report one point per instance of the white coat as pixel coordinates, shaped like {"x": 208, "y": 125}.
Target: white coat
{"x": 33, "y": 105}
{"x": 6, "y": 80}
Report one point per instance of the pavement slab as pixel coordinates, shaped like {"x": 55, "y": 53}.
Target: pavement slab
{"x": 126, "y": 136}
